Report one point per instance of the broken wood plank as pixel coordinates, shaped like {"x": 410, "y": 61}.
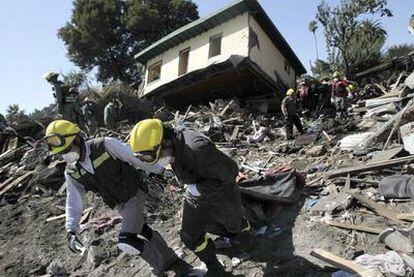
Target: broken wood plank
{"x": 367, "y": 167}
{"x": 382, "y": 133}
{"x": 406, "y": 217}
{"x": 62, "y": 189}
{"x": 361, "y": 228}
{"x": 396, "y": 126}
{"x": 355, "y": 180}
{"x": 187, "y": 112}
{"x": 85, "y": 216}
{"x": 386, "y": 155}
{"x": 21, "y": 179}
{"x": 235, "y": 133}
{"x": 377, "y": 208}
{"x": 52, "y": 218}
{"x": 344, "y": 264}
{"x": 226, "y": 108}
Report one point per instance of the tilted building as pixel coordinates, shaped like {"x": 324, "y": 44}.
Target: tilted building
{"x": 236, "y": 51}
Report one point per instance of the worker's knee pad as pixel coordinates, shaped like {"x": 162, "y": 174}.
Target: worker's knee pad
{"x": 130, "y": 243}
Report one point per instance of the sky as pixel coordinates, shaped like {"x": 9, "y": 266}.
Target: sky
{"x": 30, "y": 47}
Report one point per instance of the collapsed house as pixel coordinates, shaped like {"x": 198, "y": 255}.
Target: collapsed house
{"x": 234, "y": 52}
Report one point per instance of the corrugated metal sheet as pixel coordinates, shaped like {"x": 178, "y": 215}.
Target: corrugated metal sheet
{"x": 228, "y": 12}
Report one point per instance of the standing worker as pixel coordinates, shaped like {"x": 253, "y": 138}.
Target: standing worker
{"x": 108, "y": 167}
{"x": 3, "y": 137}
{"x": 66, "y": 99}
{"x": 290, "y": 114}
{"x": 339, "y": 96}
{"x": 88, "y": 111}
{"x": 111, "y": 113}
{"x": 213, "y": 202}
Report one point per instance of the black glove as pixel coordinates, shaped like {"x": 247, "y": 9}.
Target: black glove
{"x": 75, "y": 245}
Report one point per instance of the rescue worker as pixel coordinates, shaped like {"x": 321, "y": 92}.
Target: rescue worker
{"x": 290, "y": 114}
{"x": 3, "y": 136}
{"x": 66, "y": 99}
{"x": 88, "y": 111}
{"x": 111, "y": 113}
{"x": 339, "y": 96}
{"x": 212, "y": 203}
{"x": 304, "y": 97}
{"x": 107, "y": 167}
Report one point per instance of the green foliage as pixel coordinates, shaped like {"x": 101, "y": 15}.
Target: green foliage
{"x": 322, "y": 69}
{"x": 78, "y": 79}
{"x": 397, "y": 51}
{"x": 106, "y": 34}
{"x": 344, "y": 30}
{"x": 365, "y": 46}
{"x": 46, "y": 112}
{"x": 14, "y": 114}
{"x": 313, "y": 26}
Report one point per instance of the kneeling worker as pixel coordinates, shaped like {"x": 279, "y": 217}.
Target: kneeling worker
{"x": 213, "y": 202}
{"x": 108, "y": 167}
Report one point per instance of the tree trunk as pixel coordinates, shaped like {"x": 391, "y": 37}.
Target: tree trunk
{"x": 316, "y": 46}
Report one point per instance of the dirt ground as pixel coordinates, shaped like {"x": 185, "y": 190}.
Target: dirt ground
{"x": 29, "y": 244}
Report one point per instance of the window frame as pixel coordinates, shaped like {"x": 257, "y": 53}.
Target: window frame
{"x": 287, "y": 67}
{"x": 185, "y": 50}
{"x": 149, "y": 71}
{"x": 211, "y": 39}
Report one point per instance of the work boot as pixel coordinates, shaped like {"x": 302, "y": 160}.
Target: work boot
{"x": 243, "y": 240}
{"x": 169, "y": 254}
{"x": 158, "y": 255}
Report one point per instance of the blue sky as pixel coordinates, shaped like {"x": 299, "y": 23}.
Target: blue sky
{"x": 30, "y": 46}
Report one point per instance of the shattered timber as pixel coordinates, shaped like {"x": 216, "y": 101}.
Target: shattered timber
{"x": 338, "y": 200}
{"x": 333, "y": 199}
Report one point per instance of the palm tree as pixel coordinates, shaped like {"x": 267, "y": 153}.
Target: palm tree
{"x": 366, "y": 45}
{"x": 313, "y": 26}
{"x": 14, "y": 114}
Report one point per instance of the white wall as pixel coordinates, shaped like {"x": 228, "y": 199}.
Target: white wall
{"x": 234, "y": 42}
{"x": 269, "y": 57}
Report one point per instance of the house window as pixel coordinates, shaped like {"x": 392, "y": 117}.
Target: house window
{"x": 215, "y": 45}
{"x": 183, "y": 61}
{"x": 287, "y": 67}
{"x": 154, "y": 72}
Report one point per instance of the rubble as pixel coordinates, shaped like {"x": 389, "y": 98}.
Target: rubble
{"x": 297, "y": 194}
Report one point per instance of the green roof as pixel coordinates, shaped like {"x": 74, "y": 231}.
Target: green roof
{"x": 204, "y": 24}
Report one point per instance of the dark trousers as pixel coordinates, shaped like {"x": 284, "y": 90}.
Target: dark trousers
{"x": 289, "y": 122}
{"x": 219, "y": 215}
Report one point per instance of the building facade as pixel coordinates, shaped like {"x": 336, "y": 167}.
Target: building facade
{"x": 236, "y": 50}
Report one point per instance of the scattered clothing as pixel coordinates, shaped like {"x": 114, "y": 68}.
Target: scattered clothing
{"x": 389, "y": 262}
{"x": 397, "y": 186}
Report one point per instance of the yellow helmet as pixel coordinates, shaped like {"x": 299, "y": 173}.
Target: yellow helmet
{"x": 49, "y": 75}
{"x": 290, "y": 92}
{"x": 336, "y": 74}
{"x": 60, "y": 134}
{"x": 146, "y": 138}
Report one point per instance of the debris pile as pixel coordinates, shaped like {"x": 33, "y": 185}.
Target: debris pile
{"x": 340, "y": 194}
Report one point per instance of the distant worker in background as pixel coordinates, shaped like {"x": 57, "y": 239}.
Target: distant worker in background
{"x": 66, "y": 99}
{"x": 88, "y": 111}
{"x": 339, "y": 96}
{"x": 112, "y": 112}
{"x": 3, "y": 136}
{"x": 290, "y": 113}
{"x": 304, "y": 97}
